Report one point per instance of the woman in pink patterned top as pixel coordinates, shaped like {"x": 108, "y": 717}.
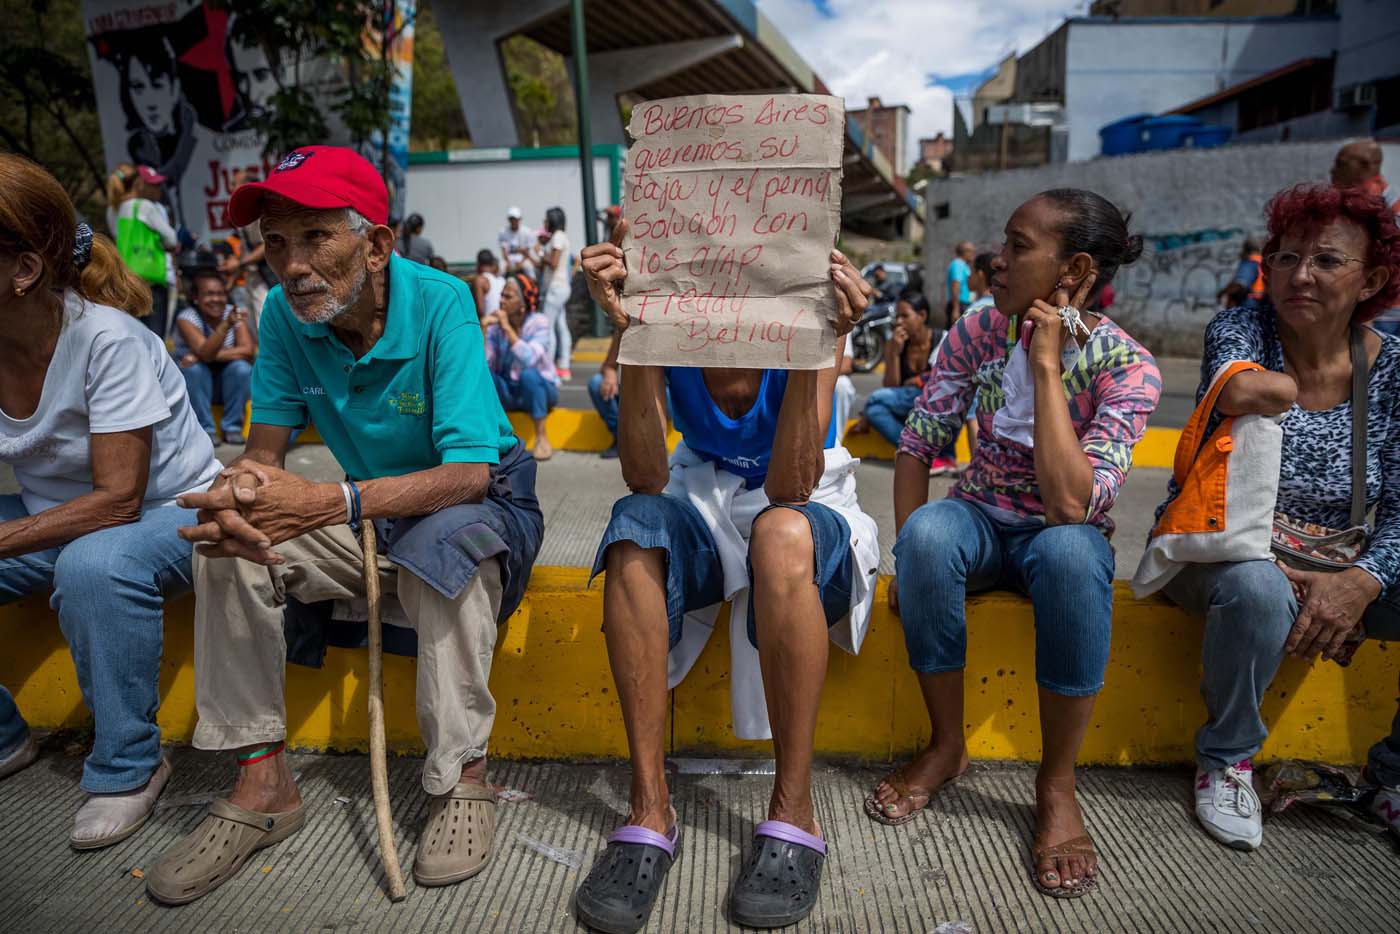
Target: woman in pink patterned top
{"x": 1059, "y": 413}
{"x": 520, "y": 355}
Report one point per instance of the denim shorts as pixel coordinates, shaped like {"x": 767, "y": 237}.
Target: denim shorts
{"x": 694, "y": 574}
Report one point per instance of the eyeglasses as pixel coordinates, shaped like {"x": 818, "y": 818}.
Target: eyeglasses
{"x": 1326, "y": 261}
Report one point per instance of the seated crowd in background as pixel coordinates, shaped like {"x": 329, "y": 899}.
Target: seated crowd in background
{"x": 519, "y": 349}
{"x": 215, "y": 350}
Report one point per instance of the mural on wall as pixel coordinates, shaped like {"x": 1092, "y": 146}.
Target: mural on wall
{"x": 178, "y": 92}
{"x": 1177, "y": 282}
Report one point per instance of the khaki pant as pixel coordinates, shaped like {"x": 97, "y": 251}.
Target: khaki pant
{"x": 240, "y": 651}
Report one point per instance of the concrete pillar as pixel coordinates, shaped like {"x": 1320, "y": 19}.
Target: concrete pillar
{"x": 472, "y": 33}
{"x": 613, "y": 73}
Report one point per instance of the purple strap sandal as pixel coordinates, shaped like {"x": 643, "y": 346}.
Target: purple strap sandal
{"x": 779, "y": 881}
{"x": 621, "y": 889}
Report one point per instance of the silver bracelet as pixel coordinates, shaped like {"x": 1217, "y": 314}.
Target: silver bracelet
{"x": 349, "y": 502}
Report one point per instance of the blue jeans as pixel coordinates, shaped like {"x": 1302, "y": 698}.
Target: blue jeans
{"x": 532, "y": 393}
{"x": 229, "y": 383}
{"x": 887, "y": 408}
{"x": 108, "y": 591}
{"x": 556, "y": 310}
{"x": 608, "y": 409}
{"x": 951, "y": 548}
{"x": 694, "y": 575}
{"x": 1249, "y": 609}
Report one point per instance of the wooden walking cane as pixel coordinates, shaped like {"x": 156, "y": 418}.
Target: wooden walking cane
{"x": 378, "y": 766}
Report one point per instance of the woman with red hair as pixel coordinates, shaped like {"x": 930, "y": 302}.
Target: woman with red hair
{"x": 1332, "y": 264}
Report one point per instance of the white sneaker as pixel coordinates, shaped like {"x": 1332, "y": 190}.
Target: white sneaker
{"x": 1386, "y": 806}
{"x": 1227, "y": 806}
{"x": 23, "y": 756}
{"x": 111, "y": 818}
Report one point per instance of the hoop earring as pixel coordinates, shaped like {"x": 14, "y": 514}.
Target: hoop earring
{"x": 19, "y": 292}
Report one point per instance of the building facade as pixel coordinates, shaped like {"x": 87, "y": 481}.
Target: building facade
{"x": 888, "y": 128}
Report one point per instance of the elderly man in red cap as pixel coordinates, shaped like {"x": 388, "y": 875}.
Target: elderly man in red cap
{"x": 385, "y": 356}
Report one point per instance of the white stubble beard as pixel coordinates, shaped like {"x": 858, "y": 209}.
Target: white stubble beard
{"x": 333, "y": 309}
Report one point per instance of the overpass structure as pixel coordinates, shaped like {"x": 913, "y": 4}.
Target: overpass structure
{"x": 646, "y": 49}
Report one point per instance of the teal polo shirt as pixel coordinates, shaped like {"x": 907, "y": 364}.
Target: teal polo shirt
{"x": 422, "y": 396}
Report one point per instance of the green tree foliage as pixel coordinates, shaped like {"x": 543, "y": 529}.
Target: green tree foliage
{"x": 437, "y": 112}
{"x": 922, "y": 172}
{"x": 47, "y": 109}
{"x": 543, "y": 95}
{"x": 298, "y": 38}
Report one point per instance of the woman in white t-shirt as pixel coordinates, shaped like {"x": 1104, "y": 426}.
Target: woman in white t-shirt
{"x": 95, "y": 423}
{"x": 555, "y": 262}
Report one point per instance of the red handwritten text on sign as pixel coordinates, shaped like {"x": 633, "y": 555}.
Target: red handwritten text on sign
{"x": 733, "y": 204}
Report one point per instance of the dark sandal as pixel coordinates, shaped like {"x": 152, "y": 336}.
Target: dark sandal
{"x": 779, "y": 881}
{"x": 618, "y": 895}
{"x": 1078, "y": 846}
{"x": 896, "y": 780}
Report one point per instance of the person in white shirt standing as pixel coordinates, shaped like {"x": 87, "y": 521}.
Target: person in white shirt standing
{"x": 556, "y": 264}
{"x": 145, "y": 239}
{"x": 515, "y": 243}
{"x": 95, "y": 422}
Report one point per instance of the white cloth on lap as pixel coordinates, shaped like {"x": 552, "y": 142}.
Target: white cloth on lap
{"x": 729, "y": 511}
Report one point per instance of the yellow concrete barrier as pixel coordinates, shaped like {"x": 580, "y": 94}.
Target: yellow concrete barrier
{"x": 583, "y": 430}
{"x": 579, "y": 430}
{"x": 556, "y": 700}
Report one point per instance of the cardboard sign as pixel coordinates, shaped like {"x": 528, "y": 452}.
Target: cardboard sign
{"x": 734, "y": 203}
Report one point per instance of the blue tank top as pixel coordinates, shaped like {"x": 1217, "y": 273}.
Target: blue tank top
{"x": 744, "y": 445}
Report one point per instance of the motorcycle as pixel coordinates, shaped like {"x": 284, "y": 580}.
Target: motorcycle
{"x": 869, "y": 336}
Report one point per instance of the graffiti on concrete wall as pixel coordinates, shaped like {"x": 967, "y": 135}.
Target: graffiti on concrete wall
{"x": 1169, "y": 295}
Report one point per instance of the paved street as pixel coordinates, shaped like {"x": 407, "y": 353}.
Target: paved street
{"x": 966, "y": 860}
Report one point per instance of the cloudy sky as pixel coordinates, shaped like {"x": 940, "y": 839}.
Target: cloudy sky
{"x": 915, "y": 52}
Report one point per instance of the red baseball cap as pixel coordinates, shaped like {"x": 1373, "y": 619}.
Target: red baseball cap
{"x": 320, "y": 177}
{"x": 149, "y": 175}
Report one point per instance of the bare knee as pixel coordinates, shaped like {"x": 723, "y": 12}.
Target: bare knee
{"x": 636, "y": 579}
{"x": 780, "y": 549}
{"x": 630, "y": 563}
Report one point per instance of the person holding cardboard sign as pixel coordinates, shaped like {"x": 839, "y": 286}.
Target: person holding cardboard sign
{"x": 757, "y": 506}
{"x": 1063, "y": 396}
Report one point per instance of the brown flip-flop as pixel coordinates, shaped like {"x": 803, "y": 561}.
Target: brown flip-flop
{"x": 216, "y": 850}
{"x": 900, "y": 783}
{"x": 458, "y": 837}
{"x": 1078, "y": 846}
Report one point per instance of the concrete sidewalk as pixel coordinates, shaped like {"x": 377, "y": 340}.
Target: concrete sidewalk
{"x": 965, "y": 860}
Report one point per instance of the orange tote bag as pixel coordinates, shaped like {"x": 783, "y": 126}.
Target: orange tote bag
{"x": 1228, "y": 484}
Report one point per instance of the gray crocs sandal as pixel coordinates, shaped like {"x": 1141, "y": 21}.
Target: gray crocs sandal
{"x": 618, "y": 895}
{"x": 216, "y": 850}
{"x": 457, "y": 839}
{"x": 779, "y": 881}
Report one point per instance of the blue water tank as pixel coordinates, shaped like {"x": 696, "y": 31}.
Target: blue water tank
{"x": 1166, "y": 132}
{"x": 1208, "y": 136}
{"x": 1121, "y": 136}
